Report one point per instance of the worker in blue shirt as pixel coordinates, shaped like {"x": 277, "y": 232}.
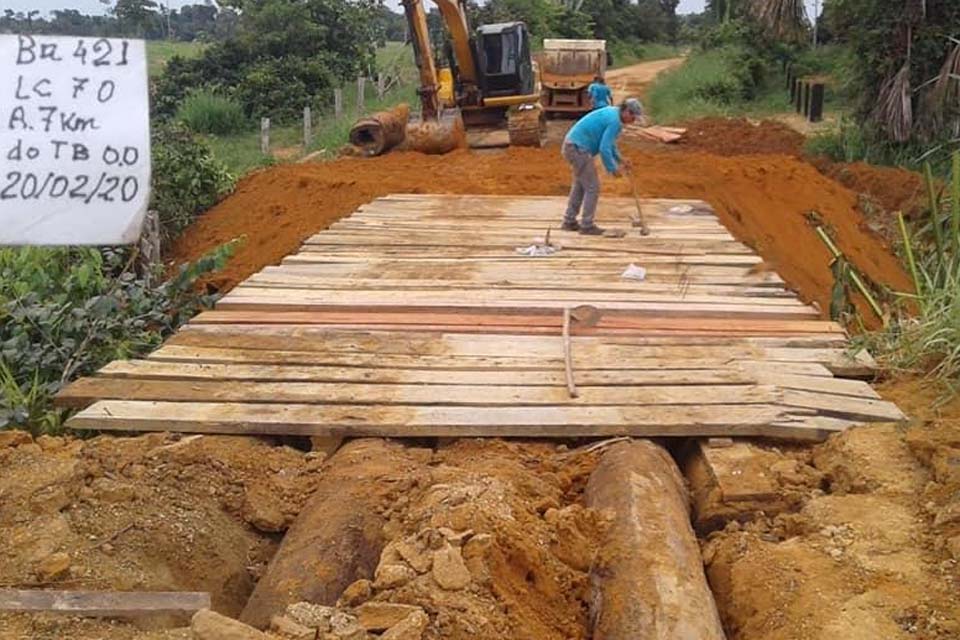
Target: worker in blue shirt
{"x": 600, "y": 94}
{"x": 595, "y": 133}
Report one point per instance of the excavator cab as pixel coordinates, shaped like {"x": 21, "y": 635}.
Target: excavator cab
{"x": 505, "y": 61}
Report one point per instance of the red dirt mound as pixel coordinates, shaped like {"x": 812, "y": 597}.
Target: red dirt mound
{"x": 892, "y": 188}
{"x": 739, "y": 136}
{"x": 765, "y": 200}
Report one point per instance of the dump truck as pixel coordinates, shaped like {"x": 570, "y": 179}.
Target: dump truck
{"x": 567, "y": 67}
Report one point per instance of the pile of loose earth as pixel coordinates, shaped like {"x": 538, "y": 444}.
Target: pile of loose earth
{"x": 860, "y": 538}
{"x": 201, "y": 513}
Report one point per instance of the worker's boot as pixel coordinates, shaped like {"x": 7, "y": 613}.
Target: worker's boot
{"x": 592, "y": 230}
{"x": 570, "y": 226}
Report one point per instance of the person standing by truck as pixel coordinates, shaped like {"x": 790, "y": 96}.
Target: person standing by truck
{"x": 595, "y": 133}
{"x": 600, "y": 93}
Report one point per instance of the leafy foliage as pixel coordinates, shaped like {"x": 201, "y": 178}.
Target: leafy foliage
{"x": 205, "y": 112}
{"x": 66, "y": 312}
{"x": 286, "y": 55}
{"x": 924, "y": 334}
{"x": 901, "y": 49}
{"x": 187, "y": 180}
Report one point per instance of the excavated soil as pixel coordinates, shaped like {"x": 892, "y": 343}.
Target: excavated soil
{"x": 871, "y": 546}
{"x": 513, "y": 517}
{"x": 204, "y": 513}
{"x": 157, "y": 512}
{"x": 771, "y": 202}
{"x": 740, "y": 136}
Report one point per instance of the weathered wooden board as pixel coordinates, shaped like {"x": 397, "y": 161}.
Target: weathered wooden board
{"x": 105, "y": 604}
{"x": 419, "y": 421}
{"x": 417, "y": 317}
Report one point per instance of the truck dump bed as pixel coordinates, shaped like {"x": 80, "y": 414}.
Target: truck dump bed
{"x": 567, "y": 68}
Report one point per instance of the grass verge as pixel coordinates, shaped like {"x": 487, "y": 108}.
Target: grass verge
{"x": 725, "y": 81}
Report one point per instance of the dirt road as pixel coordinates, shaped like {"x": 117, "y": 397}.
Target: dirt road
{"x": 633, "y": 80}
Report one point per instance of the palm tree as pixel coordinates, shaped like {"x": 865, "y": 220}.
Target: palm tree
{"x": 784, "y": 19}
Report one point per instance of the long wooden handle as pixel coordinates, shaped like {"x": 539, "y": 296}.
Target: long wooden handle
{"x": 568, "y": 354}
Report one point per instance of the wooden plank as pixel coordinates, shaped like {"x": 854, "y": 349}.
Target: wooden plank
{"x": 164, "y": 370}
{"x": 106, "y": 604}
{"x": 522, "y": 362}
{"x": 85, "y": 391}
{"x": 846, "y": 407}
{"x": 412, "y": 421}
{"x": 274, "y": 300}
{"x": 831, "y": 385}
{"x": 494, "y": 295}
{"x": 310, "y": 337}
{"x": 691, "y": 292}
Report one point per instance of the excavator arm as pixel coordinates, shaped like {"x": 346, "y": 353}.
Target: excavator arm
{"x": 454, "y": 17}
{"x": 423, "y": 55}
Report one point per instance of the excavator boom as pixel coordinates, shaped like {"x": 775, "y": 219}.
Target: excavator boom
{"x": 423, "y": 54}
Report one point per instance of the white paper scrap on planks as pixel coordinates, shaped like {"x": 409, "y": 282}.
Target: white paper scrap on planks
{"x": 74, "y": 140}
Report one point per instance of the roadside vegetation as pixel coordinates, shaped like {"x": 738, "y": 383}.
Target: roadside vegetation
{"x": 923, "y": 332}
{"x": 160, "y": 52}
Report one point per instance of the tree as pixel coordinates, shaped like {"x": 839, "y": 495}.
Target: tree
{"x": 906, "y": 62}
{"x": 285, "y": 55}
{"x": 783, "y": 19}
{"x": 136, "y": 14}
{"x": 669, "y": 9}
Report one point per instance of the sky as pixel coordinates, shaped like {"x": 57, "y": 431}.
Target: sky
{"x": 95, "y": 6}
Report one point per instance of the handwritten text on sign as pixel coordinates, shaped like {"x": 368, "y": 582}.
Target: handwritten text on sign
{"x": 74, "y": 140}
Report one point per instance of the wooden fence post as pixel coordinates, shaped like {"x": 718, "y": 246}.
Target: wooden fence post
{"x": 361, "y": 83}
{"x": 307, "y": 128}
{"x": 338, "y": 103}
{"x": 816, "y": 102}
{"x": 381, "y": 85}
{"x": 265, "y": 136}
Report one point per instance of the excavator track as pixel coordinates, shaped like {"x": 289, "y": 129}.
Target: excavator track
{"x": 526, "y": 127}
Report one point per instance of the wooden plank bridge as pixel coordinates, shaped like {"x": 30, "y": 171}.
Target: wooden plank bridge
{"x": 418, "y": 316}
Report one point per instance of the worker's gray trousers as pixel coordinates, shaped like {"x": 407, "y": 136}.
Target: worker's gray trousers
{"x": 586, "y": 185}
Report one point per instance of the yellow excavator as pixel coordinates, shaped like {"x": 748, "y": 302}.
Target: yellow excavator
{"x": 491, "y": 79}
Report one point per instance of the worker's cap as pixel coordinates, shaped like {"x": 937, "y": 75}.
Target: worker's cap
{"x": 633, "y": 106}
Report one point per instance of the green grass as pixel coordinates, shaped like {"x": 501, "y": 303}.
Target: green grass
{"x": 718, "y": 82}
{"x": 159, "y": 53}
{"x": 206, "y": 112}
{"x": 924, "y": 334}
{"x": 707, "y": 85}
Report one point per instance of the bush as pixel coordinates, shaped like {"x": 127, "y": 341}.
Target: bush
{"x": 66, "y": 312}
{"x": 206, "y": 112}
{"x": 187, "y": 180}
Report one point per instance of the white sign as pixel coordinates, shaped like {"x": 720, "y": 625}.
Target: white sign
{"x": 74, "y": 140}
